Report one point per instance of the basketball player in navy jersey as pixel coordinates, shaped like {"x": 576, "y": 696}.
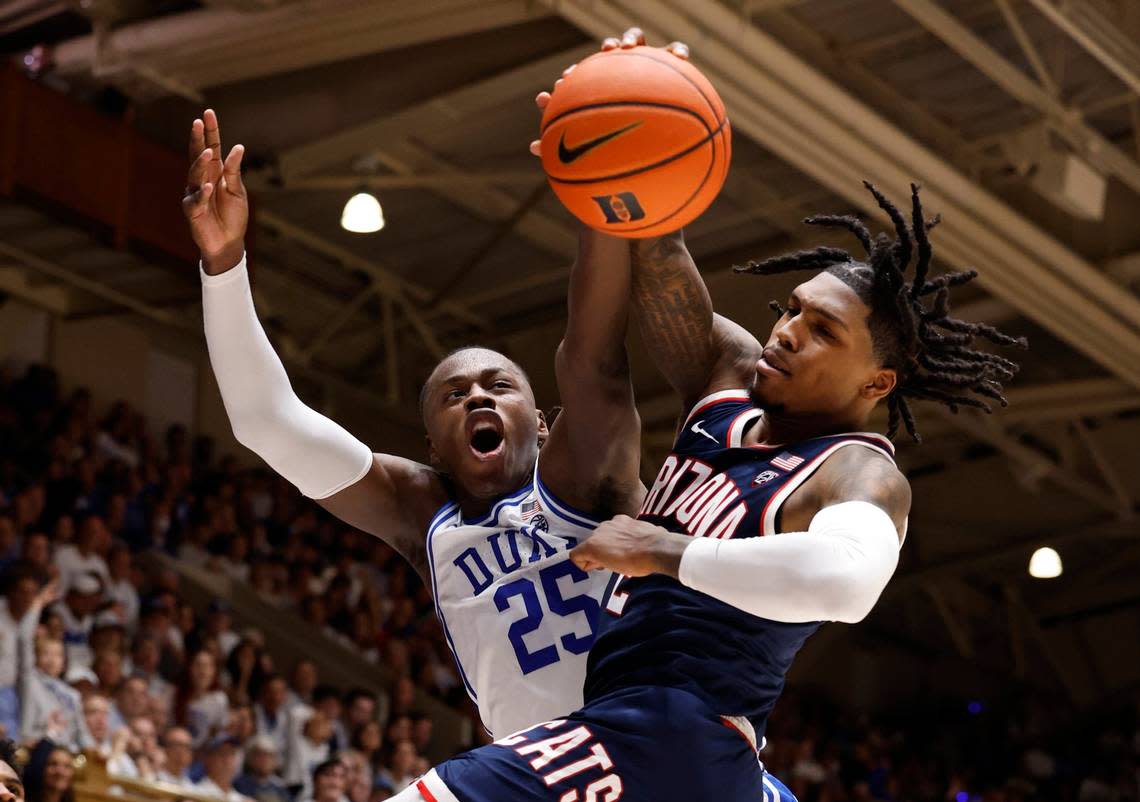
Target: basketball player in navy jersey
{"x": 776, "y": 511}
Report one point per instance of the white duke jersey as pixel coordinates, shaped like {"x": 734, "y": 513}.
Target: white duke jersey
{"x": 519, "y": 616}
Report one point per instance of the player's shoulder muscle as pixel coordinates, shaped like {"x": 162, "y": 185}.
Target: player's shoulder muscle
{"x": 852, "y": 473}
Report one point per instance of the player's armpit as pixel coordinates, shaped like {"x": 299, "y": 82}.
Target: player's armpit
{"x": 393, "y": 502}
{"x": 697, "y": 352}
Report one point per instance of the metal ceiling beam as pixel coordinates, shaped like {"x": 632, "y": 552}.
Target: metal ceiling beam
{"x": 1065, "y": 121}
{"x": 1099, "y": 36}
{"x": 433, "y": 113}
{"x": 801, "y": 116}
{"x": 14, "y": 282}
{"x": 206, "y": 48}
{"x": 387, "y": 281}
{"x": 440, "y": 180}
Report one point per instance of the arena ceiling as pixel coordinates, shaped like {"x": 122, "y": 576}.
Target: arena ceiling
{"x": 429, "y": 103}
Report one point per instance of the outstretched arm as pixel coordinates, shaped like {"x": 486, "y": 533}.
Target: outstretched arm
{"x": 592, "y": 457}
{"x": 376, "y": 493}
{"x": 697, "y": 351}
{"x": 834, "y": 570}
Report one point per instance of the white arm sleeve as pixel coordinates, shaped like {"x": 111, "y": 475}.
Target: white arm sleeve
{"x": 835, "y": 571}
{"x": 311, "y": 451}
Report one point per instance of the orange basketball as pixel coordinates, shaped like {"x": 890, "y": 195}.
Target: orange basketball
{"x": 635, "y": 142}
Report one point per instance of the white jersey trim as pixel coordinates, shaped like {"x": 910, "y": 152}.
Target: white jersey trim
{"x": 551, "y": 503}
{"x": 768, "y": 525}
{"x": 714, "y": 398}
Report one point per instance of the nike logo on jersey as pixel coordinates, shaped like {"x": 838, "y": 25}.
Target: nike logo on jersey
{"x": 696, "y": 427}
{"x": 567, "y": 155}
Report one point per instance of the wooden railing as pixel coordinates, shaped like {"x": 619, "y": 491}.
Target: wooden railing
{"x": 93, "y": 783}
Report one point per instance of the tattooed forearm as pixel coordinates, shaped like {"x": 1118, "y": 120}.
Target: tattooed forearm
{"x": 674, "y": 312}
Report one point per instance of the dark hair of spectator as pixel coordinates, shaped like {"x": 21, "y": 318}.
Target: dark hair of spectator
{"x": 324, "y": 768}
{"x": 185, "y": 692}
{"x": 8, "y": 753}
{"x": 33, "y": 774}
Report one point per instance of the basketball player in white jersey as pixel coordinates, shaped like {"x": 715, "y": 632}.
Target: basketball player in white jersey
{"x": 489, "y": 522}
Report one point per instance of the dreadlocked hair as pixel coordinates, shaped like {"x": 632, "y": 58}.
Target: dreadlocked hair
{"x": 929, "y": 350}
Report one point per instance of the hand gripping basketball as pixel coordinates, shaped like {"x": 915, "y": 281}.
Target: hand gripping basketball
{"x": 634, "y": 139}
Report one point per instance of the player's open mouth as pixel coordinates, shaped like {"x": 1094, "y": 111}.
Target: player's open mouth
{"x": 486, "y": 443}
{"x": 485, "y": 434}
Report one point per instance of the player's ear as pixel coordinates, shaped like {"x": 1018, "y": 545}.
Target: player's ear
{"x": 433, "y": 455}
{"x": 543, "y": 429}
{"x": 880, "y": 385}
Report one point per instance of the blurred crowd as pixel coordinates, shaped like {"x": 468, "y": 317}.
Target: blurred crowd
{"x": 100, "y": 650}
{"x": 1016, "y": 748}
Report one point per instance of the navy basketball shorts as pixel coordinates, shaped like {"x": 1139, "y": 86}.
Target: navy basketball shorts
{"x": 644, "y": 744}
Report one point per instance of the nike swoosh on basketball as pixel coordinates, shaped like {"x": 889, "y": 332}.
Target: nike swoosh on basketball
{"x": 567, "y": 155}
{"x": 699, "y": 430}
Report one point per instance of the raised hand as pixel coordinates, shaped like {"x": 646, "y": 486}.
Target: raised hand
{"x": 634, "y": 37}
{"x": 215, "y": 202}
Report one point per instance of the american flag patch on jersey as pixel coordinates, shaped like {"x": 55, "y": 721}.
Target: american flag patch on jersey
{"x": 787, "y": 462}
{"x": 530, "y": 509}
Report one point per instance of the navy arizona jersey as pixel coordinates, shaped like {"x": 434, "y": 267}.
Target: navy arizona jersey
{"x": 659, "y": 632}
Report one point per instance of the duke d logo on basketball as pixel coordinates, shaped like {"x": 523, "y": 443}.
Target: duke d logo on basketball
{"x": 620, "y": 208}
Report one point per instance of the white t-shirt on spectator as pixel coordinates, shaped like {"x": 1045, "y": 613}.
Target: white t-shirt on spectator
{"x": 9, "y": 646}
{"x": 108, "y": 447}
{"x": 211, "y": 788}
{"x": 123, "y": 592}
{"x": 227, "y": 641}
{"x": 71, "y": 564}
{"x": 121, "y": 765}
{"x": 76, "y": 632}
{"x": 166, "y": 777}
{"x": 206, "y": 715}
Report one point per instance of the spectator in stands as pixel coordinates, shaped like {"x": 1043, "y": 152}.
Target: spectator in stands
{"x": 360, "y": 707}
{"x": 144, "y": 757}
{"x": 82, "y": 598}
{"x": 270, "y": 712}
{"x": 326, "y": 699}
{"x": 49, "y": 774}
{"x": 358, "y": 775}
{"x": 145, "y": 656}
{"x": 328, "y": 783}
{"x": 35, "y": 555}
{"x": 400, "y": 770}
{"x": 11, "y": 786}
{"x": 85, "y": 556}
{"x": 368, "y": 740}
{"x": 20, "y": 587}
{"x": 9, "y": 541}
{"x": 131, "y": 701}
{"x": 260, "y": 780}
{"x": 97, "y": 717}
{"x": 221, "y": 762}
{"x": 303, "y": 682}
{"x": 243, "y": 672}
{"x": 200, "y": 705}
{"x": 121, "y": 590}
{"x": 49, "y": 707}
{"x": 307, "y": 749}
{"x": 178, "y": 752}
{"x": 108, "y": 670}
{"x": 219, "y": 625}
{"x": 422, "y": 729}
